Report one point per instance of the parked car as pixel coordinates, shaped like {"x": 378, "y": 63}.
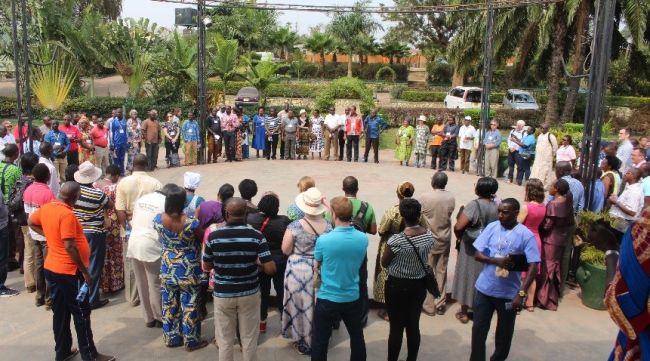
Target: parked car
{"x": 247, "y": 96}
{"x": 463, "y": 97}
{"x": 519, "y": 99}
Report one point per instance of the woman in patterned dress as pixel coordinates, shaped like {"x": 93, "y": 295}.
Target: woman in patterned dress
{"x": 317, "y": 141}
{"x": 180, "y": 273}
{"x": 421, "y": 141}
{"x": 304, "y": 135}
{"x": 113, "y": 274}
{"x": 134, "y": 139}
{"x": 391, "y": 223}
{"x": 299, "y": 243}
{"x": 404, "y": 140}
{"x": 86, "y": 147}
{"x": 239, "y": 136}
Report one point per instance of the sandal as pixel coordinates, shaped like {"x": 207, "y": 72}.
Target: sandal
{"x": 383, "y": 314}
{"x": 214, "y": 342}
{"x": 200, "y": 345}
{"x": 530, "y": 308}
{"x": 462, "y": 317}
{"x": 299, "y": 349}
{"x": 440, "y": 310}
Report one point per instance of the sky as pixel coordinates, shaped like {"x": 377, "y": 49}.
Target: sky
{"x": 163, "y": 13}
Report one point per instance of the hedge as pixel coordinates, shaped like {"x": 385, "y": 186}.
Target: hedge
{"x": 361, "y": 71}
{"x": 506, "y": 117}
{"x": 437, "y": 96}
{"x": 104, "y": 105}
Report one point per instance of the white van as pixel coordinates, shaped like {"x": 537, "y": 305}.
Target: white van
{"x": 463, "y": 97}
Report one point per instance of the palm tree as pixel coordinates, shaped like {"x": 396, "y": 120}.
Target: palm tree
{"x": 261, "y": 74}
{"x": 224, "y": 59}
{"x": 108, "y": 8}
{"x": 394, "y": 50}
{"x": 319, "y": 43}
{"x": 349, "y": 29}
{"x": 367, "y": 46}
{"x": 285, "y": 39}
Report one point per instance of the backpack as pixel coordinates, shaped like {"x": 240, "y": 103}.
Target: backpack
{"x": 357, "y": 221}
{"x": 15, "y": 203}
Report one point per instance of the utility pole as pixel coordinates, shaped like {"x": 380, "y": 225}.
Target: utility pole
{"x": 595, "y": 108}
{"x": 201, "y": 100}
{"x": 487, "y": 87}
{"x": 14, "y": 35}
{"x": 28, "y": 87}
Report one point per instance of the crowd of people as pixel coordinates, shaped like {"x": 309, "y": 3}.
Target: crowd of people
{"x": 72, "y": 219}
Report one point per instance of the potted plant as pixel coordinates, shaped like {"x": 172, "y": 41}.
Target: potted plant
{"x": 592, "y": 273}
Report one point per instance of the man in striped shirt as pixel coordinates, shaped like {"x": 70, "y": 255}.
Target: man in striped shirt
{"x": 89, "y": 209}
{"x": 272, "y": 125}
{"x": 235, "y": 252}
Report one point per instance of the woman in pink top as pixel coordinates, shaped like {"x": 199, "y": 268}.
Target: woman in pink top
{"x": 531, "y": 215}
{"x": 566, "y": 152}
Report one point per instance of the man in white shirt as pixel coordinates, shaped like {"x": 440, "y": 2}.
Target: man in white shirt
{"x": 513, "y": 155}
{"x": 624, "y": 151}
{"x": 144, "y": 250}
{"x": 8, "y": 137}
{"x": 331, "y": 132}
{"x": 341, "y": 133}
{"x": 46, "y": 158}
{"x": 626, "y": 208}
{"x": 466, "y": 136}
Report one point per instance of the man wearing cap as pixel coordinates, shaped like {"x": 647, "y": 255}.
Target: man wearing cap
{"x": 235, "y": 252}
{"x": 338, "y": 256}
{"x": 514, "y": 158}
{"x": 331, "y": 134}
{"x": 373, "y": 125}
{"x": 466, "y": 135}
{"x": 436, "y": 140}
{"x": 89, "y": 210}
{"x": 448, "y": 149}
{"x": 353, "y": 132}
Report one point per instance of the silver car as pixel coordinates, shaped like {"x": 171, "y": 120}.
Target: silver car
{"x": 520, "y": 100}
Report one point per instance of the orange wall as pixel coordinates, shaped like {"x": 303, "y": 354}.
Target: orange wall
{"x": 413, "y": 60}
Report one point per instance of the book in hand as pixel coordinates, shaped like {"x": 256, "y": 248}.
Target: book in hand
{"x": 519, "y": 263}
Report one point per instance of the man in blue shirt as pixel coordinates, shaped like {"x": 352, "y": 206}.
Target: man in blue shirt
{"x": 492, "y": 142}
{"x": 498, "y": 289}
{"x": 192, "y": 138}
{"x": 117, "y": 139}
{"x": 338, "y": 256}
{"x": 60, "y": 146}
{"x": 373, "y": 125}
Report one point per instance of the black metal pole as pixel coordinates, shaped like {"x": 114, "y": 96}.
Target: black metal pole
{"x": 28, "y": 87}
{"x": 487, "y": 87}
{"x": 14, "y": 35}
{"x": 201, "y": 79}
{"x": 595, "y": 108}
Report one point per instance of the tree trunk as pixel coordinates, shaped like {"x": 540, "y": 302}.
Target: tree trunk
{"x": 552, "y": 115}
{"x": 334, "y": 59}
{"x": 349, "y": 65}
{"x": 322, "y": 64}
{"x": 578, "y": 60}
{"x": 458, "y": 78}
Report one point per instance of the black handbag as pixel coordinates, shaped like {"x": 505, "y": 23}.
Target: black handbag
{"x": 430, "y": 281}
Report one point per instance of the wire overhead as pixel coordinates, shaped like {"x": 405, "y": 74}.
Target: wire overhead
{"x": 500, "y": 4}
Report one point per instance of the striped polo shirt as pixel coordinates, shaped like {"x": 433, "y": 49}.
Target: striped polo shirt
{"x": 233, "y": 252}
{"x": 272, "y": 124}
{"x": 89, "y": 209}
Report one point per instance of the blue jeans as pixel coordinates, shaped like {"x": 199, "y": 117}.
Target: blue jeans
{"x": 63, "y": 290}
{"x": 484, "y": 307}
{"x": 4, "y": 255}
{"x": 325, "y": 314}
{"x": 97, "y": 243}
{"x": 120, "y": 153}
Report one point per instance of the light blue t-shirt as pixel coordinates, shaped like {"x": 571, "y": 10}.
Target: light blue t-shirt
{"x": 340, "y": 254}
{"x": 645, "y": 185}
{"x": 496, "y": 241}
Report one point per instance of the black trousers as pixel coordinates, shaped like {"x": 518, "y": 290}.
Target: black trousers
{"x": 324, "y": 313}
{"x": 229, "y": 142}
{"x": 73, "y": 157}
{"x": 514, "y": 159}
{"x": 352, "y": 146}
{"x": 278, "y": 283}
{"x": 271, "y": 146}
{"x": 374, "y": 143}
{"x": 484, "y": 308}
{"x": 404, "y": 298}
{"x": 341, "y": 144}
{"x": 435, "y": 151}
{"x": 171, "y": 148}
{"x": 63, "y": 290}
{"x": 282, "y": 148}
{"x": 364, "y": 301}
{"x": 448, "y": 154}
{"x": 152, "y": 154}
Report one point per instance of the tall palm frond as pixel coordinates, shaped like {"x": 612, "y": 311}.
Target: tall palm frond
{"x": 51, "y": 83}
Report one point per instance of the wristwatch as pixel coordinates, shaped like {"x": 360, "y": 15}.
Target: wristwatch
{"x": 522, "y": 293}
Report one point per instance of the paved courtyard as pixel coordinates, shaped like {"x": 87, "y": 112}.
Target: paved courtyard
{"x": 573, "y": 333}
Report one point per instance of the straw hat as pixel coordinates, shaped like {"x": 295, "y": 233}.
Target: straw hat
{"x": 423, "y": 118}
{"x": 302, "y": 111}
{"x": 467, "y": 117}
{"x": 311, "y": 202}
{"x": 87, "y": 173}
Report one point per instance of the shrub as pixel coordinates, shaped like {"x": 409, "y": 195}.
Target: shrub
{"x": 7, "y": 107}
{"x": 104, "y": 105}
{"x": 439, "y": 72}
{"x": 345, "y": 88}
{"x": 422, "y": 96}
{"x": 386, "y": 73}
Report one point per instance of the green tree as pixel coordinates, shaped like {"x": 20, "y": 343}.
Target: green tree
{"x": 261, "y": 74}
{"x": 252, "y": 28}
{"x": 319, "y": 43}
{"x": 111, "y": 9}
{"x": 285, "y": 40}
{"x": 367, "y": 46}
{"x": 394, "y": 50}
{"x": 224, "y": 60}
{"x": 349, "y": 29}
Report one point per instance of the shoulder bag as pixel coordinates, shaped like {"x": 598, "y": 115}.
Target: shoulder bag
{"x": 430, "y": 281}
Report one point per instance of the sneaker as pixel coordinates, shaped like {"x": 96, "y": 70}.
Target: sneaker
{"x": 8, "y": 292}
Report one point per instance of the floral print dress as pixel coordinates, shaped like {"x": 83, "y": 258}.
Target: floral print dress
{"x": 113, "y": 274}
{"x": 134, "y": 138}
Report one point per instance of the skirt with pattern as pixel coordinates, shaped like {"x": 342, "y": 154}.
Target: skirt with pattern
{"x": 299, "y": 301}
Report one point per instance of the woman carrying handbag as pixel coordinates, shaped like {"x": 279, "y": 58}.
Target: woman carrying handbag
{"x": 407, "y": 285}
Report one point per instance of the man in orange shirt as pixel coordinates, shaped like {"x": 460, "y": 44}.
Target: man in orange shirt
{"x": 353, "y": 132}
{"x": 436, "y": 141}
{"x": 66, "y": 267}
